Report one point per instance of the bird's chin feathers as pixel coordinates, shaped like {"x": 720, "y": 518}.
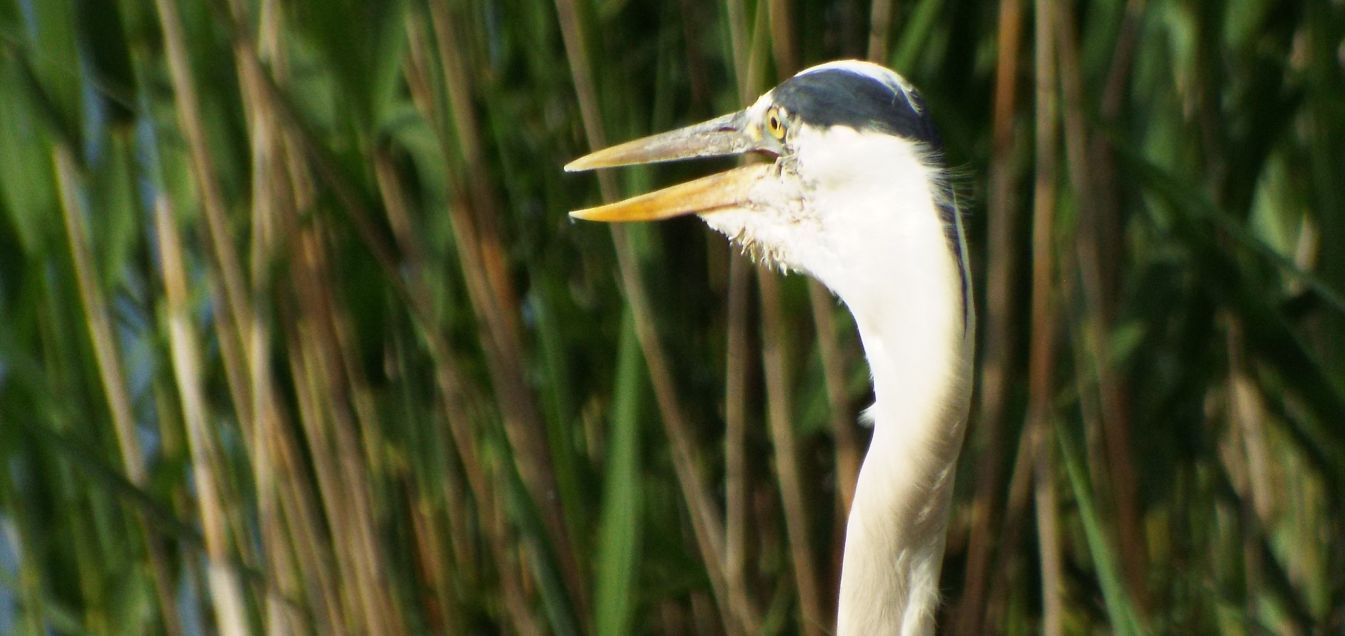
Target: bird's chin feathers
{"x": 775, "y": 226}
{"x": 770, "y": 256}
{"x": 766, "y": 236}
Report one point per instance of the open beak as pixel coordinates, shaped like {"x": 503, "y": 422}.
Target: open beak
{"x": 726, "y": 135}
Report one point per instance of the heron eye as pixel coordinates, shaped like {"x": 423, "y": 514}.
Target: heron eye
{"x": 775, "y": 123}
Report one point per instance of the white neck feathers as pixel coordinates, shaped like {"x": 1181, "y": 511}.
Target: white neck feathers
{"x": 893, "y": 267}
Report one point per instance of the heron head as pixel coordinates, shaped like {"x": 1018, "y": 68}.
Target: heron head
{"x": 850, "y": 144}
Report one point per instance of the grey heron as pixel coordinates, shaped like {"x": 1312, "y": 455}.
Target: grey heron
{"x": 857, "y": 196}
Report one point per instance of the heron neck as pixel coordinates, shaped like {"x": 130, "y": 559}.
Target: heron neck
{"x": 919, "y": 351}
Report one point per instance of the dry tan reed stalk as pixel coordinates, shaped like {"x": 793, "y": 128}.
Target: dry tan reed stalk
{"x": 237, "y": 311}
{"x": 813, "y": 617}
{"x": 1041, "y": 362}
{"x": 1111, "y": 415}
{"x": 108, "y": 360}
{"x": 998, "y": 353}
{"x": 737, "y": 368}
{"x": 226, "y": 593}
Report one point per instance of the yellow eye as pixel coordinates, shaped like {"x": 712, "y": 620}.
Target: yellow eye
{"x": 775, "y": 123}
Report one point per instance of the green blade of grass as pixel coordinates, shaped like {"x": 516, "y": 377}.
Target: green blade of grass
{"x": 1123, "y": 618}
{"x": 618, "y": 550}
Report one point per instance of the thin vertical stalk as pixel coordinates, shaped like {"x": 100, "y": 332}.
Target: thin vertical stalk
{"x": 1045, "y": 501}
{"x": 1113, "y": 97}
{"x": 997, "y": 350}
{"x": 623, "y": 496}
{"x": 311, "y": 418}
{"x": 740, "y": 45}
{"x": 847, "y": 446}
{"x": 697, "y": 77}
{"x": 841, "y": 415}
{"x": 225, "y": 591}
{"x": 796, "y": 510}
{"x": 783, "y": 46}
{"x": 192, "y": 124}
{"x": 880, "y": 25}
{"x": 1248, "y": 465}
{"x": 361, "y": 449}
{"x": 737, "y": 503}
{"x": 705, "y": 519}
{"x": 297, "y": 524}
{"x": 108, "y": 360}
{"x": 1247, "y": 410}
{"x": 1112, "y": 414}
{"x": 1007, "y": 564}
{"x": 1041, "y": 355}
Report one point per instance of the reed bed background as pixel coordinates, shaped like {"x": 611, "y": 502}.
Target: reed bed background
{"x": 295, "y": 335}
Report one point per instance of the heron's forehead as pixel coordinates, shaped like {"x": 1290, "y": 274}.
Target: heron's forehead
{"x": 857, "y": 95}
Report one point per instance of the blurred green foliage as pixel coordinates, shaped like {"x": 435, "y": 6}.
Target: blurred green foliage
{"x": 297, "y": 336}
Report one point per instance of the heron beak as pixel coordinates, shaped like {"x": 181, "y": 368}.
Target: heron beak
{"x": 725, "y": 135}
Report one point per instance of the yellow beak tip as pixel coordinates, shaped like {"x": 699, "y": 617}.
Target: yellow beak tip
{"x": 590, "y": 214}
